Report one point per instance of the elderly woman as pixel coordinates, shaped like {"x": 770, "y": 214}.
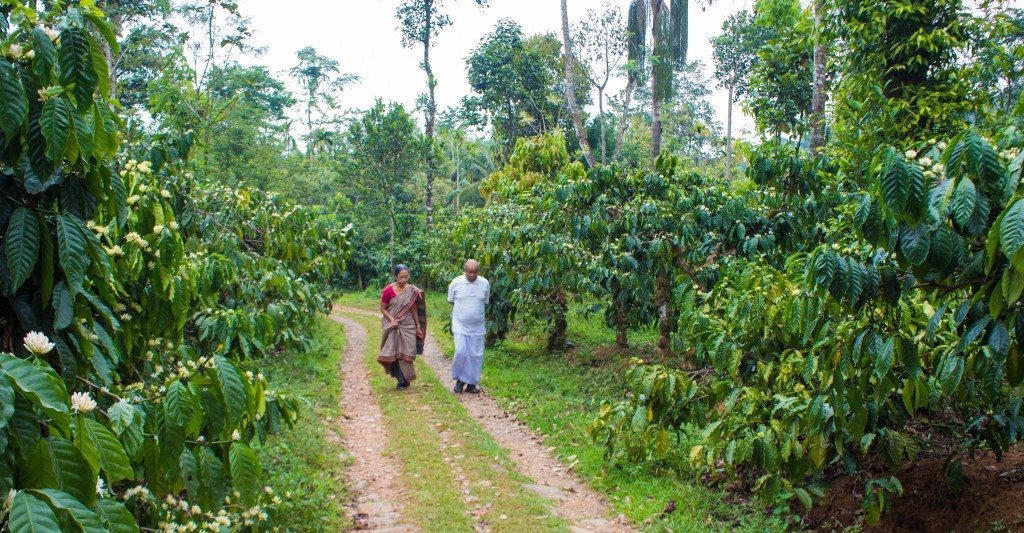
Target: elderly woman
{"x": 402, "y": 327}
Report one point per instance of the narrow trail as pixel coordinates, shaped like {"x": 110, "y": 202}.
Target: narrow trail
{"x": 584, "y": 508}
{"x": 372, "y": 477}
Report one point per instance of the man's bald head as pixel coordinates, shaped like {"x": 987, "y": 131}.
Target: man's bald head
{"x": 471, "y": 269}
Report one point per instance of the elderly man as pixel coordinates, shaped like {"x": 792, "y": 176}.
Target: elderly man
{"x": 468, "y": 295}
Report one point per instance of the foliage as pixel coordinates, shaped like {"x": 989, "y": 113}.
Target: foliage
{"x": 780, "y": 80}
{"x": 517, "y": 84}
{"x": 323, "y": 82}
{"x": 122, "y": 398}
{"x": 385, "y": 151}
{"x": 902, "y": 81}
{"x": 842, "y": 356}
{"x": 735, "y": 52}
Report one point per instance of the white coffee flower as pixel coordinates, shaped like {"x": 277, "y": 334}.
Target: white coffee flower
{"x": 101, "y": 487}
{"x": 235, "y": 435}
{"x": 165, "y": 193}
{"x": 926, "y": 161}
{"x": 51, "y": 33}
{"x": 38, "y": 343}
{"x": 81, "y": 402}
{"x": 173, "y": 225}
{"x": 911, "y": 154}
{"x": 15, "y": 52}
{"x": 158, "y": 229}
{"x": 133, "y": 199}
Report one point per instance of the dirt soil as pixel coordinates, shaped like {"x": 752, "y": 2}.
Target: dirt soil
{"x": 372, "y": 476}
{"x": 992, "y": 500}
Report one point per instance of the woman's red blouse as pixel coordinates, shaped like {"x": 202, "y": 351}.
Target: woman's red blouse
{"x": 387, "y": 295}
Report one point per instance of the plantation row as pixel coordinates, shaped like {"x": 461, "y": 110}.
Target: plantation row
{"x": 134, "y": 301}
{"x": 809, "y": 325}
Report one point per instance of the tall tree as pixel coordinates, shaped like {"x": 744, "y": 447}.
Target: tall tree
{"x": 516, "y": 81}
{"x": 421, "y": 21}
{"x": 735, "y": 53}
{"x": 781, "y": 79}
{"x": 666, "y": 45}
{"x": 322, "y": 80}
{"x": 385, "y": 151}
{"x": 600, "y": 46}
{"x": 570, "y": 88}
{"x": 818, "y": 95}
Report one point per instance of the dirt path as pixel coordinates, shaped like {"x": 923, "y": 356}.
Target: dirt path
{"x": 372, "y": 477}
{"x": 583, "y": 508}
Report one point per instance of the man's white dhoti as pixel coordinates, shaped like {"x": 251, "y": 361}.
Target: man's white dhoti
{"x": 469, "y": 358}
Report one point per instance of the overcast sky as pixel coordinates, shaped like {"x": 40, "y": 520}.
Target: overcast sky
{"x": 363, "y": 36}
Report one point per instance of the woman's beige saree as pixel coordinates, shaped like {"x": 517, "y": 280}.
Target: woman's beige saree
{"x": 398, "y": 344}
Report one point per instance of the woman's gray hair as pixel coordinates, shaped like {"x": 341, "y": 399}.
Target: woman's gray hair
{"x": 399, "y": 268}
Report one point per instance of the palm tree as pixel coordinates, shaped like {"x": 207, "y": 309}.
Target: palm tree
{"x": 667, "y": 40}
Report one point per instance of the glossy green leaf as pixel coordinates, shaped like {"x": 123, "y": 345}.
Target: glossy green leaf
{"x": 71, "y": 248}
{"x": 55, "y": 124}
{"x": 76, "y": 65}
{"x": 29, "y": 514}
{"x": 246, "y": 473}
{"x": 13, "y": 102}
{"x": 57, "y": 464}
{"x": 112, "y": 460}
{"x": 45, "y": 56}
{"x": 115, "y": 516}
{"x": 39, "y": 388}
{"x": 22, "y": 245}
{"x": 71, "y": 511}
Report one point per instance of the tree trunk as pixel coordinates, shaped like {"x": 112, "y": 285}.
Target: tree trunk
{"x": 661, "y": 297}
{"x": 570, "y": 89}
{"x": 458, "y": 179}
{"x": 431, "y": 116}
{"x": 624, "y": 117}
{"x": 116, "y": 21}
{"x": 559, "y": 308}
{"x": 621, "y": 331}
{"x": 820, "y": 75}
{"x": 655, "y": 102}
{"x": 600, "y": 114}
{"x": 728, "y": 138}
{"x": 391, "y": 246}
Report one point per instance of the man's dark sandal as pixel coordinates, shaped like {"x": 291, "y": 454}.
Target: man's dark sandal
{"x": 472, "y": 389}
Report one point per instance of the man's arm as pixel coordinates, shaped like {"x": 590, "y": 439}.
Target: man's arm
{"x": 451, "y": 293}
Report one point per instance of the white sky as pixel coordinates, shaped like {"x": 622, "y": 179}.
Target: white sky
{"x": 363, "y": 36}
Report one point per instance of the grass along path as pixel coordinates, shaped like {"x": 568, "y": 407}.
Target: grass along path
{"x": 307, "y": 461}
{"x": 454, "y": 476}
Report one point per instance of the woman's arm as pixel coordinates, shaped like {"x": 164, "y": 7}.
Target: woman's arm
{"x": 416, "y": 318}
{"x": 384, "y": 300}
{"x": 384, "y": 311}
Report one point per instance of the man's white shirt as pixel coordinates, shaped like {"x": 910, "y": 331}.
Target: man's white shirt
{"x": 470, "y": 300}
